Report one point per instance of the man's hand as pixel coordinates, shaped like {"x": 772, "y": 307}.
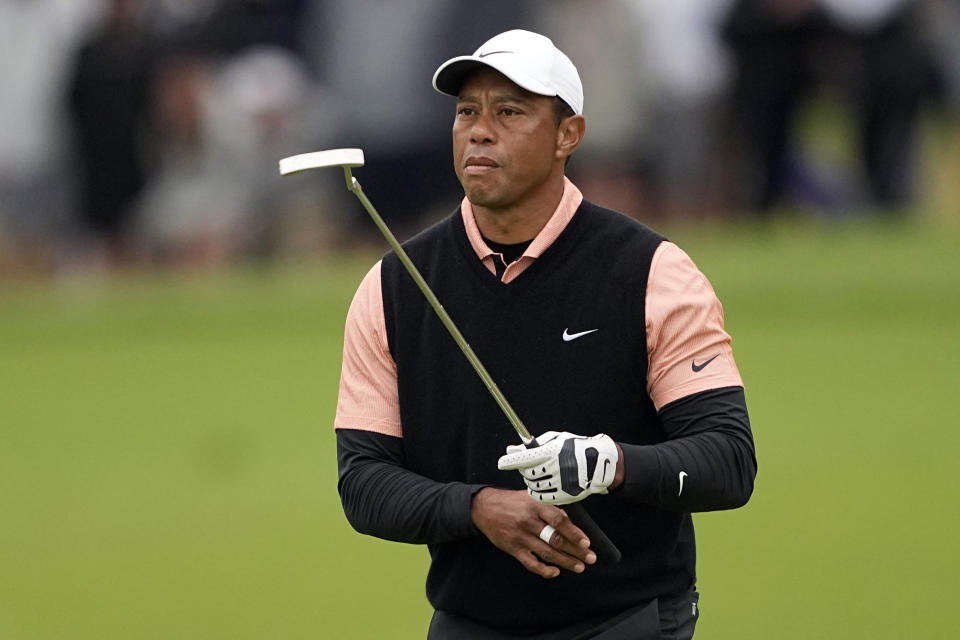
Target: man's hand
{"x": 513, "y": 523}
{"x": 564, "y": 467}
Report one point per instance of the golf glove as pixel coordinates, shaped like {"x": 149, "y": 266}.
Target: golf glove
{"x": 561, "y": 467}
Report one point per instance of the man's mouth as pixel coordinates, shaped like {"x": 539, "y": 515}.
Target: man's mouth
{"x": 478, "y": 165}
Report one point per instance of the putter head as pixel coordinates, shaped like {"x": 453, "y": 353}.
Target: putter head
{"x": 345, "y": 158}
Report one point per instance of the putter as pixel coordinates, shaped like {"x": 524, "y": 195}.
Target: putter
{"x": 606, "y": 551}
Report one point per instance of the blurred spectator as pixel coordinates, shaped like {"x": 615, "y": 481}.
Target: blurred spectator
{"x": 772, "y": 41}
{"x": 613, "y": 159}
{"x": 687, "y": 75}
{"x": 39, "y": 38}
{"x": 221, "y": 127}
{"x": 871, "y": 50}
{"x": 173, "y": 216}
{"x": 892, "y": 72}
{"x": 264, "y": 106}
{"x": 942, "y": 22}
{"x": 108, "y": 97}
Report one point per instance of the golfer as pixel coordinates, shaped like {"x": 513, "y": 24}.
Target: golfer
{"x": 608, "y": 342}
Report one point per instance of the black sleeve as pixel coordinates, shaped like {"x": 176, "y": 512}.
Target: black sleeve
{"x": 708, "y": 461}
{"x": 382, "y": 498}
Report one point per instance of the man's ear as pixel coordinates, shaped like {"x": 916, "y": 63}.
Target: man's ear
{"x": 569, "y": 134}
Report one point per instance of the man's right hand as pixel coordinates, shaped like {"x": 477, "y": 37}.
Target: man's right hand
{"x": 513, "y": 523}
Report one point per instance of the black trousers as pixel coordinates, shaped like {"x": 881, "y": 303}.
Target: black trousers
{"x": 665, "y": 618}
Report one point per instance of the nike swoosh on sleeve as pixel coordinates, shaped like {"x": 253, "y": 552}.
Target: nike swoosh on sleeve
{"x": 697, "y": 368}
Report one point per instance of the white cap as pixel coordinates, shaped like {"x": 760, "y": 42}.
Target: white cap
{"x": 528, "y": 59}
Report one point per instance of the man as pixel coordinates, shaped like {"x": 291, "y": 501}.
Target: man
{"x": 591, "y": 324}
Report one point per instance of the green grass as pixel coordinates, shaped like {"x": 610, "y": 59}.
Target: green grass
{"x": 849, "y": 343}
{"x": 167, "y": 462}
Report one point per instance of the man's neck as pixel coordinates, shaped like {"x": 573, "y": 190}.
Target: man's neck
{"x": 522, "y": 221}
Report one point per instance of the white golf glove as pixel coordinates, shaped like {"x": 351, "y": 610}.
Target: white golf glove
{"x": 562, "y": 467}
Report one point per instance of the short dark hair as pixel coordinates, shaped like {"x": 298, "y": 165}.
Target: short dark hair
{"x": 561, "y": 110}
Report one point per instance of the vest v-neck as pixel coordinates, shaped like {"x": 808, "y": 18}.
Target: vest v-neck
{"x": 559, "y": 248}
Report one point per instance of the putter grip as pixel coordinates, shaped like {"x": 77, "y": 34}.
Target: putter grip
{"x": 607, "y": 552}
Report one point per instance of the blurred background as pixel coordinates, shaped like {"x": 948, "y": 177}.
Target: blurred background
{"x": 171, "y": 310}
{"x": 146, "y": 132}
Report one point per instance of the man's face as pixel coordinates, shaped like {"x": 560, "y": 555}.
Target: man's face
{"x": 504, "y": 141}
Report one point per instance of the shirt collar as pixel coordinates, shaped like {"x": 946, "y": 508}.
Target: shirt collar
{"x": 569, "y": 203}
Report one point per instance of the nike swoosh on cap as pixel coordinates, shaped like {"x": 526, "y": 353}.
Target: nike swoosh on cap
{"x": 490, "y": 53}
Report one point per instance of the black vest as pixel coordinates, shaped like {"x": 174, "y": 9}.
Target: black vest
{"x": 594, "y": 276}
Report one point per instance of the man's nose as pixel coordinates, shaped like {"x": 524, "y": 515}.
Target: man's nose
{"x": 482, "y": 130}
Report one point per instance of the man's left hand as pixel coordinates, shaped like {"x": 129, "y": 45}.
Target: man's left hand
{"x": 564, "y": 467}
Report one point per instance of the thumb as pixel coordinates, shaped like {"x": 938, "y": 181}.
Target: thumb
{"x": 546, "y": 437}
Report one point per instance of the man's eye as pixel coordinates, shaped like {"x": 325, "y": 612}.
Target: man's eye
{"x": 465, "y": 111}
{"x": 507, "y": 111}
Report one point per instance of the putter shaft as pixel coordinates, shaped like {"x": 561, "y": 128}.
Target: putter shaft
{"x": 607, "y": 552}
{"x": 445, "y": 318}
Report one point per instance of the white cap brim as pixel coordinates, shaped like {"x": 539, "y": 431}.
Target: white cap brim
{"x": 450, "y": 75}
